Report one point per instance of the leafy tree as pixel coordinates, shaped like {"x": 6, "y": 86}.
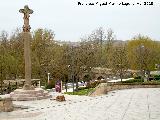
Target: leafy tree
{"x": 119, "y": 61}
{"x": 42, "y": 53}
{"x": 142, "y": 53}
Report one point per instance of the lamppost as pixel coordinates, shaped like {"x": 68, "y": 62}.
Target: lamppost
{"x": 141, "y": 47}
{"x": 66, "y": 86}
{"x": 90, "y": 71}
{"x": 48, "y": 77}
{"x": 72, "y": 66}
{"x": 157, "y": 67}
{"x": 120, "y": 67}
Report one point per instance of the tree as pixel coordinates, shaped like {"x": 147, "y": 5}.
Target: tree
{"x": 119, "y": 61}
{"x": 142, "y": 53}
{"x": 102, "y": 42}
{"x": 42, "y": 53}
{"x": 16, "y": 52}
{"x": 108, "y": 49}
{"x": 3, "y": 54}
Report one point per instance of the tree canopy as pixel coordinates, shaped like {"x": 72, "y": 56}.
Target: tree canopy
{"x": 99, "y": 49}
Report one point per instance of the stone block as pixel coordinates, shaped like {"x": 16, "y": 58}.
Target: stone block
{"x": 60, "y": 98}
{"x": 6, "y": 105}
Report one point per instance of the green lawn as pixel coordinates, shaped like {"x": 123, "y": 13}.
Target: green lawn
{"x": 80, "y": 92}
{"x": 141, "y": 82}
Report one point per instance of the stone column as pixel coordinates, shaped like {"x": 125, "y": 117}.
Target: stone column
{"x": 27, "y": 38}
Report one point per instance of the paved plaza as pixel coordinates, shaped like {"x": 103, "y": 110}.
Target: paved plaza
{"x": 132, "y": 104}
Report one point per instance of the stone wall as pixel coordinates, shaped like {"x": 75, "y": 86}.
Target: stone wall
{"x": 103, "y": 88}
{"x": 6, "y": 105}
{"x": 99, "y": 90}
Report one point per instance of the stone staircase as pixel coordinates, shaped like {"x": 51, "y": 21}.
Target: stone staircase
{"x": 29, "y": 95}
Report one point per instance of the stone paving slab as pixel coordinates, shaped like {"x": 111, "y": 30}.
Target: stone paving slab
{"x": 131, "y": 104}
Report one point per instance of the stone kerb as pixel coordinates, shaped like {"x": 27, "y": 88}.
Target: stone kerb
{"x": 99, "y": 90}
{"x": 103, "y": 88}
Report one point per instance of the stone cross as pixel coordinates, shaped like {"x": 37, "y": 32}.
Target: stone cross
{"x": 27, "y": 38}
{"x": 26, "y": 11}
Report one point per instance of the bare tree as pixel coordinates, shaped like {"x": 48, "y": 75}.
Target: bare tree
{"x": 120, "y": 61}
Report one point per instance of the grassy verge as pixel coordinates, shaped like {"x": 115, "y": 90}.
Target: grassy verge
{"x": 139, "y": 82}
{"x": 133, "y": 81}
{"x": 84, "y": 91}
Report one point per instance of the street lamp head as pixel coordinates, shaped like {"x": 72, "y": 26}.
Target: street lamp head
{"x": 119, "y": 65}
{"x": 157, "y": 66}
{"x": 142, "y": 46}
{"x": 69, "y": 65}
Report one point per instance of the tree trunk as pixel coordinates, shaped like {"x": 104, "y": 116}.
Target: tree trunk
{"x": 66, "y": 86}
{"x": 76, "y": 84}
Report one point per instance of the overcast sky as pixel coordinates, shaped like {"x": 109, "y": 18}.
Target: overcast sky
{"x": 71, "y": 22}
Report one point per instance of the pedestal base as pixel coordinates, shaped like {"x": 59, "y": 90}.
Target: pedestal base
{"x": 29, "y": 95}
{"x": 28, "y": 87}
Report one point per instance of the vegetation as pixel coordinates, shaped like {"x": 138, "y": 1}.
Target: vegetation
{"x": 50, "y": 85}
{"x": 133, "y": 81}
{"x": 139, "y": 82}
{"x": 143, "y": 53}
{"x": 80, "y": 92}
{"x": 154, "y": 77}
{"x": 68, "y": 61}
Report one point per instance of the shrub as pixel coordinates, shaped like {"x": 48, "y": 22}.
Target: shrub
{"x": 84, "y": 91}
{"x": 151, "y": 83}
{"x": 133, "y": 81}
{"x": 93, "y": 84}
{"x": 50, "y": 85}
{"x": 81, "y": 88}
{"x": 156, "y": 77}
{"x": 138, "y": 77}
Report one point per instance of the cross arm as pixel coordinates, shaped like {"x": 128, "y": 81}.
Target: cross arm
{"x": 26, "y": 10}
{"x": 21, "y": 11}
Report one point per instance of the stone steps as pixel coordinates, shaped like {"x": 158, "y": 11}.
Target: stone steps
{"x": 29, "y": 95}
